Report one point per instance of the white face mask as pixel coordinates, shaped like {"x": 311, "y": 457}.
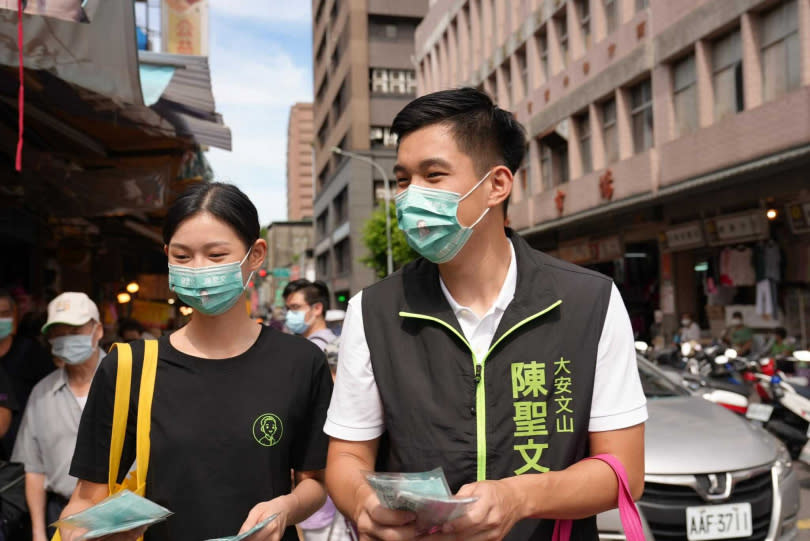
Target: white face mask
{"x": 74, "y": 348}
{"x": 736, "y": 321}
{"x": 686, "y": 322}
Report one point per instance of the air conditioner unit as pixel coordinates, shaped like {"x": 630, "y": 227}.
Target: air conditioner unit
{"x": 389, "y": 138}
{"x": 411, "y": 82}
{"x": 399, "y": 83}
{"x": 376, "y": 135}
{"x": 379, "y": 80}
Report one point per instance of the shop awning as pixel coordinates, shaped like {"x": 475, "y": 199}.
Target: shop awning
{"x": 82, "y": 54}
{"x": 187, "y": 99}
{"x": 738, "y": 173}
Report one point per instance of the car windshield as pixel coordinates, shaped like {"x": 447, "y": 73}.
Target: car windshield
{"x": 655, "y": 383}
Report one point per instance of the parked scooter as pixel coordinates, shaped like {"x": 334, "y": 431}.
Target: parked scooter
{"x": 783, "y": 411}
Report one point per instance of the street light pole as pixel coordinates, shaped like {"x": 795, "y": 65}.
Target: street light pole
{"x": 387, "y": 194}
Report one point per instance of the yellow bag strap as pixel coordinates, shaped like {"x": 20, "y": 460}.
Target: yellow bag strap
{"x": 147, "y": 391}
{"x": 123, "y": 382}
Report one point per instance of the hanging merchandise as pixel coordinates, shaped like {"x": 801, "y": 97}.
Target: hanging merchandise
{"x": 767, "y": 263}
{"x": 736, "y": 267}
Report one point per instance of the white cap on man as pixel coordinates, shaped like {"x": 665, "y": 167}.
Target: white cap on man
{"x": 71, "y": 308}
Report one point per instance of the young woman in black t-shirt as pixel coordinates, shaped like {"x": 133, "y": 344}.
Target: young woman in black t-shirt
{"x": 236, "y": 406}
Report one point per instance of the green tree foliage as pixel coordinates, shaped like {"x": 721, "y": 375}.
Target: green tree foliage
{"x": 374, "y": 239}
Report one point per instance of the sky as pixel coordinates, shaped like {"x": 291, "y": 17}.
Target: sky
{"x": 261, "y": 64}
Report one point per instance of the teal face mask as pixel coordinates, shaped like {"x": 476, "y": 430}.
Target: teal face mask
{"x": 211, "y": 290}
{"x": 6, "y": 326}
{"x": 296, "y": 321}
{"x": 429, "y": 219}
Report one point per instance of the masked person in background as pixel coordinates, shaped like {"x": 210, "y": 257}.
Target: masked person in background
{"x": 690, "y": 331}
{"x": 236, "y": 406}
{"x": 50, "y": 423}
{"x": 738, "y": 335}
{"x": 25, "y": 363}
{"x": 307, "y": 303}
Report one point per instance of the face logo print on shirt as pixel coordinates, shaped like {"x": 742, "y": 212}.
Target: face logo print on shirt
{"x": 268, "y": 429}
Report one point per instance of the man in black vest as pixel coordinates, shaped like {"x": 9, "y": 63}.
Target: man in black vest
{"x": 502, "y": 365}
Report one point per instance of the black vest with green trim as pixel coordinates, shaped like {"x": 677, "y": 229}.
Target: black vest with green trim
{"x": 522, "y": 409}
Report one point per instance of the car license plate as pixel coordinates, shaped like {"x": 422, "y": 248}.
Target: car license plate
{"x": 719, "y": 521}
{"x": 759, "y": 412}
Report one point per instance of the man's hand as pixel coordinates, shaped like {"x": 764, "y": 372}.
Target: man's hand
{"x": 284, "y": 506}
{"x": 377, "y": 522}
{"x": 490, "y": 518}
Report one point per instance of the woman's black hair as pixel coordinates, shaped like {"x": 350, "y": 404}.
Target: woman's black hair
{"x": 224, "y": 201}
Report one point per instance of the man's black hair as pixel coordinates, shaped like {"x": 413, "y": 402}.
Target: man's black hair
{"x": 737, "y": 314}
{"x": 781, "y": 332}
{"x": 314, "y": 292}
{"x": 482, "y": 130}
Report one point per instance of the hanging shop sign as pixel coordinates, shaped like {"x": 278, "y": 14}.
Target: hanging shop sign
{"x": 576, "y": 252}
{"x": 593, "y": 250}
{"x": 185, "y": 26}
{"x": 683, "y": 237}
{"x": 798, "y": 214}
{"x": 743, "y": 227}
{"x": 607, "y": 249}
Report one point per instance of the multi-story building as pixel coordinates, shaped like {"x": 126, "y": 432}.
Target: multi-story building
{"x": 666, "y": 140}
{"x": 299, "y": 162}
{"x": 363, "y": 75}
{"x": 289, "y": 257}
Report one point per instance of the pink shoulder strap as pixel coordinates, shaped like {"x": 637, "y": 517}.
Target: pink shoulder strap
{"x": 631, "y": 521}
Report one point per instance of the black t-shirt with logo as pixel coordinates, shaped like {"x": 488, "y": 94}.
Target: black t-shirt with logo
{"x": 225, "y": 432}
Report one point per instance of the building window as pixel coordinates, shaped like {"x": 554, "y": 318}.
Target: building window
{"x": 542, "y": 49}
{"x": 322, "y": 265}
{"x": 343, "y": 257}
{"x": 553, "y": 160}
{"x": 506, "y": 73}
{"x": 727, "y": 75}
{"x": 323, "y": 133}
{"x": 392, "y": 81}
{"x": 341, "y": 206}
{"x": 562, "y": 32}
{"x": 584, "y": 13}
{"x": 685, "y": 94}
{"x": 322, "y": 224}
{"x": 522, "y": 177}
{"x": 523, "y": 66}
{"x": 611, "y": 14}
{"x": 382, "y": 137}
{"x": 642, "y": 4}
{"x": 609, "y": 131}
{"x": 641, "y": 113}
{"x": 584, "y": 131}
{"x": 781, "y": 64}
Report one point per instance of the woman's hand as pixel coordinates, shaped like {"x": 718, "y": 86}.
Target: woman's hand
{"x": 284, "y": 506}
{"x": 70, "y": 534}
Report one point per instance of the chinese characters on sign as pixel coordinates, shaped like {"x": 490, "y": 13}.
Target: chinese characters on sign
{"x": 185, "y": 26}
{"x": 530, "y": 393}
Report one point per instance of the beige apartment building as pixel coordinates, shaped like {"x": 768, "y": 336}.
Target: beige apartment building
{"x": 299, "y": 163}
{"x": 669, "y": 142}
{"x": 363, "y": 75}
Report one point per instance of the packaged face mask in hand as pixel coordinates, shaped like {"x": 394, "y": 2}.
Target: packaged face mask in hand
{"x": 121, "y": 512}
{"x": 250, "y": 532}
{"x": 389, "y": 485}
{"x": 426, "y": 494}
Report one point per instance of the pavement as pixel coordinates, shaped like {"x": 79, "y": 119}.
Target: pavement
{"x": 804, "y": 510}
